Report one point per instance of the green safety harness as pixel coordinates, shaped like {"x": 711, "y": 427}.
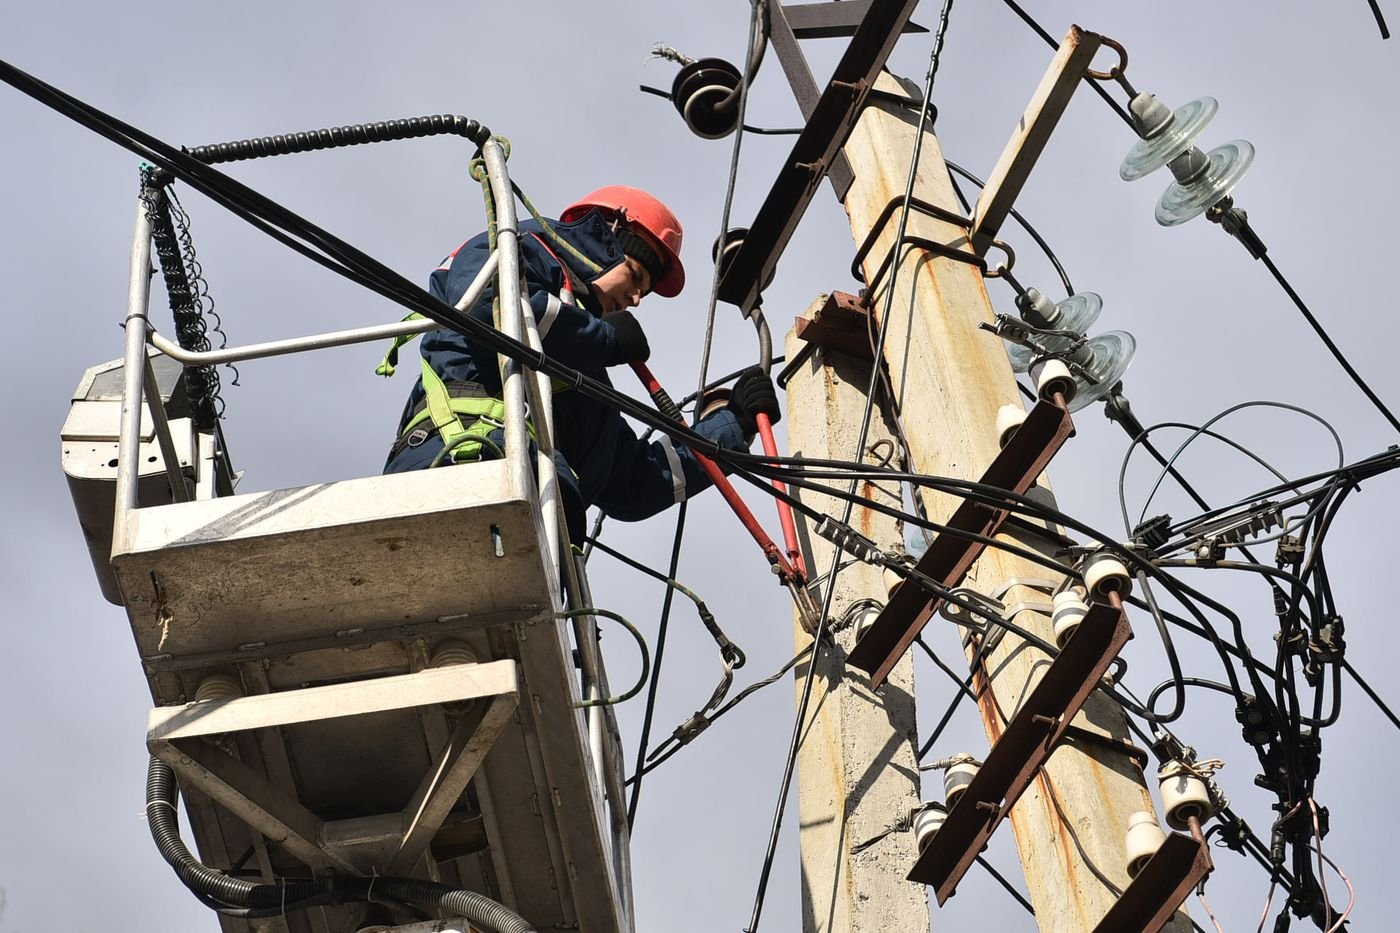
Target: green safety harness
{"x": 462, "y": 414}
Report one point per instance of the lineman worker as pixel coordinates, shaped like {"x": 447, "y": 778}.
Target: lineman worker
{"x": 585, "y": 322}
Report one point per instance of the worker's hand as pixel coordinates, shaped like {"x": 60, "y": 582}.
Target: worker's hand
{"x": 629, "y": 340}
{"x": 754, "y": 395}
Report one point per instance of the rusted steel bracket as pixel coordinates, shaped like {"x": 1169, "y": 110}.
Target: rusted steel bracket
{"x": 829, "y": 124}
{"x": 841, "y": 324}
{"x": 1023, "y": 748}
{"x": 1160, "y": 888}
{"x": 951, "y": 555}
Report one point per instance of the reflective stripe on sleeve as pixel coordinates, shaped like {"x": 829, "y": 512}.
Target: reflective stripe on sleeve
{"x": 673, "y": 459}
{"x": 551, "y": 311}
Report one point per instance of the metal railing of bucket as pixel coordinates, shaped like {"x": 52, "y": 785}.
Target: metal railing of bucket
{"x": 520, "y": 385}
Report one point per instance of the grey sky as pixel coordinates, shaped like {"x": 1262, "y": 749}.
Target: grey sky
{"x": 1310, "y": 85}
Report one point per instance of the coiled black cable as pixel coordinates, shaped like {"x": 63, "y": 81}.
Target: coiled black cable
{"x": 333, "y": 137}
{"x": 198, "y": 877}
{"x": 201, "y": 382}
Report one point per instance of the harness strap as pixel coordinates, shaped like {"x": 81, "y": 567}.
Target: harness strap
{"x": 449, "y": 426}
{"x": 390, "y": 362}
{"x": 461, "y": 414}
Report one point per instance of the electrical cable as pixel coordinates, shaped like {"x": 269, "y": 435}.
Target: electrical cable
{"x": 1367, "y": 689}
{"x": 1173, "y": 662}
{"x": 1336, "y": 438}
{"x": 641, "y": 645}
{"x": 1327, "y": 341}
{"x": 1168, "y": 464}
{"x": 1380, "y": 18}
{"x": 1016, "y": 895}
{"x": 759, "y": 8}
{"x": 964, "y": 692}
{"x": 662, "y": 630}
{"x": 682, "y": 738}
{"x": 1025, "y": 225}
{"x": 1221, "y": 646}
{"x": 732, "y": 656}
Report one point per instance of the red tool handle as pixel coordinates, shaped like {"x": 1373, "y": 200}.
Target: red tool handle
{"x": 721, "y": 482}
{"x": 770, "y": 448}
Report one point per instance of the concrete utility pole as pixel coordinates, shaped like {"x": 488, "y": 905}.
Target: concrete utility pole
{"x": 857, "y": 772}
{"x": 950, "y": 378}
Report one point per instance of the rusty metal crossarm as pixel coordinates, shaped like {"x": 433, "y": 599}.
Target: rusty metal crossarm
{"x": 951, "y": 555}
{"x": 1023, "y": 748}
{"x": 831, "y": 20}
{"x": 1160, "y": 888}
{"x": 828, "y": 127}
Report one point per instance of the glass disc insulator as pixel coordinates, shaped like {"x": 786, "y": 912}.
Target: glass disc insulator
{"x": 1228, "y": 163}
{"x": 1106, "y": 358}
{"x": 1186, "y": 124}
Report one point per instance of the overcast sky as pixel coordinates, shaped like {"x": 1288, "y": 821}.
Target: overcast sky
{"x": 1311, "y": 86}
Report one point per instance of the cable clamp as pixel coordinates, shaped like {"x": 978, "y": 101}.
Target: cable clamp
{"x": 992, "y": 607}
{"x": 1210, "y": 538}
{"x": 851, "y": 541}
{"x": 691, "y": 728}
{"x": 1236, "y": 223}
{"x": 1048, "y": 587}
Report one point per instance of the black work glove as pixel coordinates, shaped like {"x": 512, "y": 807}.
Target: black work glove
{"x": 629, "y": 340}
{"x": 754, "y": 394}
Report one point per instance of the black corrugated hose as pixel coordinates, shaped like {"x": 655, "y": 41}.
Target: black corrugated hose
{"x": 236, "y": 897}
{"x": 335, "y": 136}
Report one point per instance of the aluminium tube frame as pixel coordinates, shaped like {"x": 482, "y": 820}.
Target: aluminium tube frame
{"x": 337, "y": 338}
{"x": 508, "y": 293}
{"x": 517, "y": 322}
{"x": 133, "y": 371}
{"x": 178, "y": 490}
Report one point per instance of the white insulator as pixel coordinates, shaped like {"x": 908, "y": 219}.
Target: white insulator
{"x": 1106, "y": 574}
{"x": 1009, "y": 418}
{"x": 892, "y": 581}
{"x": 1184, "y": 795}
{"x": 1053, "y": 376}
{"x": 1143, "y": 839}
{"x": 927, "y": 822}
{"x": 452, "y": 652}
{"x": 218, "y": 687}
{"x": 1069, "y": 610}
{"x": 956, "y": 779}
{"x": 865, "y": 617}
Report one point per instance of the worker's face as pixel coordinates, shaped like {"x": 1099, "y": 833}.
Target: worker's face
{"x": 622, "y": 286}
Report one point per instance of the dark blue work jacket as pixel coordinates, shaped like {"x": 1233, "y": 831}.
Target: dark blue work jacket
{"x": 604, "y": 462}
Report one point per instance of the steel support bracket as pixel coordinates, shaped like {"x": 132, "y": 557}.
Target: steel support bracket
{"x": 1023, "y": 748}
{"x": 842, "y": 324}
{"x": 952, "y": 553}
{"x": 829, "y": 125}
{"x": 1160, "y": 887}
{"x": 189, "y": 739}
{"x": 1067, "y": 69}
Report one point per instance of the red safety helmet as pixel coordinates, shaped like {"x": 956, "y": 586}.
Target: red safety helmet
{"x": 645, "y": 211}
